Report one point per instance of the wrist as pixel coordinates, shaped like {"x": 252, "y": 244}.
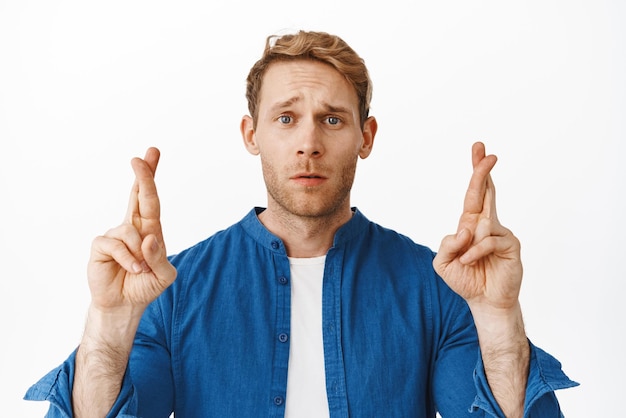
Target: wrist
{"x": 102, "y": 359}
{"x": 505, "y": 353}
{"x": 499, "y": 327}
{"x": 113, "y": 327}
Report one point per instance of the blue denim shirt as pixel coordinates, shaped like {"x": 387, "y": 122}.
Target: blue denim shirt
{"x": 398, "y": 342}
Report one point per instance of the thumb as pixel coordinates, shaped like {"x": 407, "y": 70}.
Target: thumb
{"x": 451, "y": 247}
{"x": 461, "y": 240}
{"x": 155, "y": 257}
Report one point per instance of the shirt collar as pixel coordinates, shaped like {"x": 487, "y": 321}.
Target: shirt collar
{"x": 257, "y": 231}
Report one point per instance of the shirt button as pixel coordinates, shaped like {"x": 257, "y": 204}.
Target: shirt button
{"x": 283, "y": 280}
{"x": 278, "y": 400}
{"x": 275, "y": 245}
{"x": 283, "y": 337}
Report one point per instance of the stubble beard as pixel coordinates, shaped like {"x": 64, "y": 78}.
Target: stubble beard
{"x": 310, "y": 203}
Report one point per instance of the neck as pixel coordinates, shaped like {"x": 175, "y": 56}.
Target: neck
{"x": 304, "y": 236}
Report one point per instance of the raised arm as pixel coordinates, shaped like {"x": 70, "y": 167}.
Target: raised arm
{"x": 481, "y": 262}
{"x": 127, "y": 270}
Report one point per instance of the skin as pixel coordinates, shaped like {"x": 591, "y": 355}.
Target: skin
{"x": 128, "y": 269}
{"x": 308, "y": 126}
{"x": 309, "y": 139}
{"x": 482, "y": 263}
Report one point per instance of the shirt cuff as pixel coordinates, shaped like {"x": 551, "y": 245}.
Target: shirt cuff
{"x": 545, "y": 376}
{"x": 56, "y": 388}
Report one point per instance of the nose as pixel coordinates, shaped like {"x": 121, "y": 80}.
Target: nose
{"x": 310, "y": 143}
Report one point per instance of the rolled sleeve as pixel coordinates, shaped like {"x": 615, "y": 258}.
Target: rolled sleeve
{"x": 56, "y": 388}
{"x": 545, "y": 376}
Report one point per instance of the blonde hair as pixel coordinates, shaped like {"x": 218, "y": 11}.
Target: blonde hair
{"x": 317, "y": 46}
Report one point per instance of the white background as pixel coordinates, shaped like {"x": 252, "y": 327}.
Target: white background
{"x": 85, "y": 86}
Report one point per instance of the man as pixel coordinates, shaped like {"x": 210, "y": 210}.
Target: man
{"x": 306, "y": 308}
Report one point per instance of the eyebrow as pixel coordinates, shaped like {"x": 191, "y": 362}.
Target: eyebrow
{"x": 327, "y": 106}
{"x": 336, "y": 109}
{"x": 284, "y": 104}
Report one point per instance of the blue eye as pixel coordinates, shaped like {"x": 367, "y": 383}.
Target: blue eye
{"x": 333, "y": 120}
{"x": 284, "y": 119}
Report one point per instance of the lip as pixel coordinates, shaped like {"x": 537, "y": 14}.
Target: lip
{"x": 309, "y": 179}
{"x": 307, "y": 175}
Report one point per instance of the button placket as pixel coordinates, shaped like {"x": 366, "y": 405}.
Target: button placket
{"x": 281, "y": 329}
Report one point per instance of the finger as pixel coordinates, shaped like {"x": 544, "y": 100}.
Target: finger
{"x": 500, "y": 242}
{"x": 477, "y": 189}
{"x": 144, "y": 206}
{"x": 129, "y": 235}
{"x": 478, "y": 153}
{"x": 148, "y": 206}
{"x": 487, "y": 227}
{"x": 155, "y": 256}
{"x": 105, "y": 249}
{"x": 152, "y": 159}
{"x": 450, "y": 248}
{"x": 489, "y": 203}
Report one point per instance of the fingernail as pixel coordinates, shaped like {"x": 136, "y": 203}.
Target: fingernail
{"x": 137, "y": 268}
{"x": 155, "y": 245}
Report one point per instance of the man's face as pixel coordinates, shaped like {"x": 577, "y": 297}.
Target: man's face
{"x": 309, "y": 138}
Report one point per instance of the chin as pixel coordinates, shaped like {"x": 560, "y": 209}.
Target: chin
{"x": 316, "y": 211}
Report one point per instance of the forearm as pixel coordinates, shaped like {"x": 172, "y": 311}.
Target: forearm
{"x": 101, "y": 361}
{"x": 505, "y": 353}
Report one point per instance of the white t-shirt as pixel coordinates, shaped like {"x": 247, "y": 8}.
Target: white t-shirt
{"x": 306, "y": 379}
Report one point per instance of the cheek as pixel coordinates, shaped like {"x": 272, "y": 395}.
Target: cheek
{"x": 266, "y": 163}
{"x": 269, "y": 168}
{"x": 272, "y": 147}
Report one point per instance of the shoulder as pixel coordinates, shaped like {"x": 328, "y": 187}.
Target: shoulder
{"x": 208, "y": 248}
{"x": 391, "y": 243}
{"x": 388, "y": 250}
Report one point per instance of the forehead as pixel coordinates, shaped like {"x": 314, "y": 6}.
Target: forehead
{"x": 301, "y": 79}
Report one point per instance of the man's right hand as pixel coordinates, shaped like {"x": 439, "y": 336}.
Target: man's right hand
{"x": 128, "y": 269}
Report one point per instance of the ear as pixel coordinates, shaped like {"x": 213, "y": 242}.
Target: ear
{"x": 369, "y": 132}
{"x": 247, "y": 133}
